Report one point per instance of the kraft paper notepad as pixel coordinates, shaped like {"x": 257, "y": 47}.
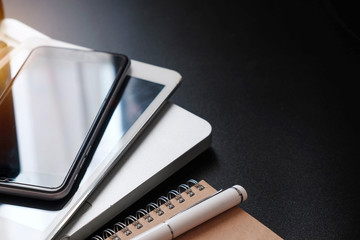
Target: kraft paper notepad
{"x": 234, "y": 223}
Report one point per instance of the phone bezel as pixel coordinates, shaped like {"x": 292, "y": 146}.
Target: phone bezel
{"x": 89, "y": 144}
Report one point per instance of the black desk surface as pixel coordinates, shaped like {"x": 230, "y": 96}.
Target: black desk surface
{"x": 277, "y": 82}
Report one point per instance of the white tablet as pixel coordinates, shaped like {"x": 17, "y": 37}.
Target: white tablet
{"x": 148, "y": 88}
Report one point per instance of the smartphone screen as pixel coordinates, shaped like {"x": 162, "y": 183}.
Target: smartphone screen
{"x": 48, "y": 112}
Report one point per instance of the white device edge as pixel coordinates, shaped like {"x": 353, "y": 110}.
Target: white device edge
{"x": 109, "y": 198}
{"x": 29, "y": 35}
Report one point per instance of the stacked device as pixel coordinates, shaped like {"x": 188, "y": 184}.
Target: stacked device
{"x": 104, "y": 117}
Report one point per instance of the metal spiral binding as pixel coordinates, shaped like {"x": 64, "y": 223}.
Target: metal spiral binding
{"x": 110, "y": 233}
{"x": 96, "y": 237}
{"x": 175, "y": 194}
{"x": 134, "y": 221}
{"x": 154, "y": 207}
{"x": 119, "y": 226}
{"x": 186, "y": 189}
{"x": 145, "y": 213}
{"x": 164, "y": 200}
{"x": 192, "y": 182}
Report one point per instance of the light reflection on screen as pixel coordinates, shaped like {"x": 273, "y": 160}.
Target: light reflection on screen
{"x": 137, "y": 96}
{"x": 47, "y": 114}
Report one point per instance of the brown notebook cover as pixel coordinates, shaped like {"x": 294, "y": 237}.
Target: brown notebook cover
{"x": 235, "y": 223}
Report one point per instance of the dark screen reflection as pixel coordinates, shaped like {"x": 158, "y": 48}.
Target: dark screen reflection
{"x": 49, "y": 110}
{"x": 9, "y": 155}
{"x": 53, "y": 101}
{"x": 137, "y": 96}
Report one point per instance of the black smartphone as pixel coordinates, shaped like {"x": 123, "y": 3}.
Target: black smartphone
{"x": 52, "y": 116}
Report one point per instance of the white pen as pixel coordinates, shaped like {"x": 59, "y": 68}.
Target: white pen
{"x": 195, "y": 215}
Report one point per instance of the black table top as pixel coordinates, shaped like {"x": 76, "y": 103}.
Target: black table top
{"x": 277, "y": 82}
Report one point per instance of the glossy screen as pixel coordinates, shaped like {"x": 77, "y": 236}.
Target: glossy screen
{"x": 52, "y": 104}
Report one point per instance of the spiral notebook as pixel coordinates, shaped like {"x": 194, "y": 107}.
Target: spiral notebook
{"x": 234, "y": 223}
